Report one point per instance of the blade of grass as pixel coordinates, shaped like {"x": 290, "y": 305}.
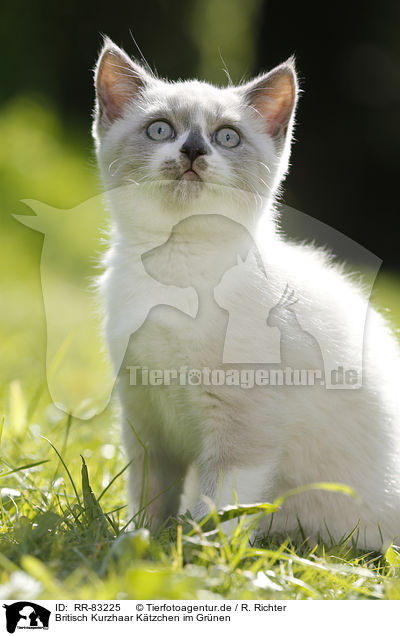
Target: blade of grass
{"x": 25, "y": 467}
{"x": 66, "y": 468}
{"x": 114, "y": 479}
{"x": 93, "y": 510}
{"x": 1, "y": 428}
{"x": 321, "y": 485}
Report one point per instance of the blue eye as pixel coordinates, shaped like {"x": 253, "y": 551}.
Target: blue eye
{"x": 227, "y": 137}
{"x": 160, "y": 131}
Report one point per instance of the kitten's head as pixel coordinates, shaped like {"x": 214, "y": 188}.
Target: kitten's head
{"x": 191, "y": 138}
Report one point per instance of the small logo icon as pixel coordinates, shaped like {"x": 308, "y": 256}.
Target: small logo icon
{"x": 26, "y": 615}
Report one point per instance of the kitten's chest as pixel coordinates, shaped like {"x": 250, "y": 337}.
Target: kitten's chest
{"x": 170, "y": 338}
{"x": 174, "y": 371}
{"x": 167, "y": 327}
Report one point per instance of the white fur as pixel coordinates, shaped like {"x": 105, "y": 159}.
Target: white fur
{"x": 259, "y": 442}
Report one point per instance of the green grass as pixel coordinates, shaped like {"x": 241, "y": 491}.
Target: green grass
{"x": 62, "y": 480}
{"x": 63, "y": 537}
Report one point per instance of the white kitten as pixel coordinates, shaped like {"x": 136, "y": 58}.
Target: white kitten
{"x": 191, "y": 172}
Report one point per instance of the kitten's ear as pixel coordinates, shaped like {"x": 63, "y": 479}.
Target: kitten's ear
{"x": 274, "y": 97}
{"x": 117, "y": 81}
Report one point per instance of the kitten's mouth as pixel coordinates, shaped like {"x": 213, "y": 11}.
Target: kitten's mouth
{"x": 190, "y": 175}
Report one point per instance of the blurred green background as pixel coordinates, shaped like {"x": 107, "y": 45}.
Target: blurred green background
{"x": 345, "y": 160}
{"x": 344, "y": 173}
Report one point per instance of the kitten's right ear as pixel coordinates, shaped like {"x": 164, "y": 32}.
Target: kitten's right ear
{"x": 118, "y": 80}
{"x": 274, "y": 96}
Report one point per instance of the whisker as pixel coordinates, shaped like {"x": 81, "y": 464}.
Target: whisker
{"x": 147, "y": 65}
{"x": 225, "y": 69}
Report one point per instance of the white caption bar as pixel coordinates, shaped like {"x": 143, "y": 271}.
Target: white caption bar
{"x": 176, "y": 617}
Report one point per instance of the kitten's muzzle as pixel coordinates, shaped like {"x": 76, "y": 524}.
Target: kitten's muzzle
{"x": 191, "y": 175}
{"x": 194, "y": 147}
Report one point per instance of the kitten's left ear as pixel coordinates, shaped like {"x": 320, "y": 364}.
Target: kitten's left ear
{"x": 274, "y": 97}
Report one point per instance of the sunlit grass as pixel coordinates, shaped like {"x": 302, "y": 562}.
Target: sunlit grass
{"x": 61, "y": 536}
